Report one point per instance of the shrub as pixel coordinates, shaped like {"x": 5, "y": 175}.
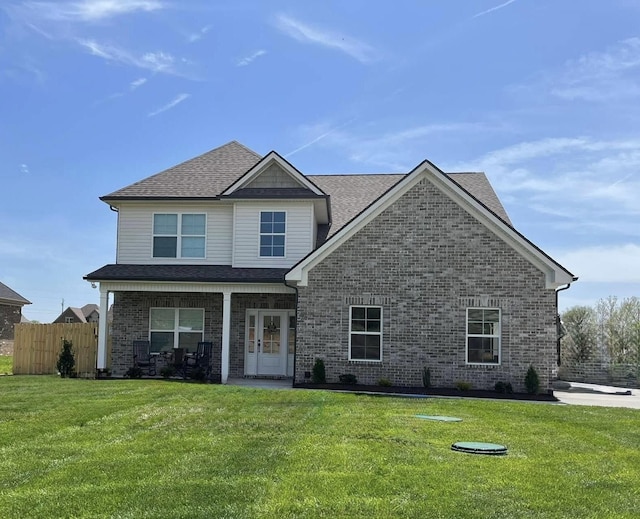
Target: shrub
{"x": 384, "y": 382}
{"x": 532, "y": 381}
{"x": 463, "y": 385}
{"x": 349, "y": 379}
{"x": 503, "y": 387}
{"x": 134, "y": 372}
{"x": 318, "y": 375}
{"x": 426, "y": 377}
{"x": 66, "y": 360}
{"x": 167, "y": 371}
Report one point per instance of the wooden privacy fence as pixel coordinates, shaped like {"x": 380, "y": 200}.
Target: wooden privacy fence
{"x": 37, "y": 346}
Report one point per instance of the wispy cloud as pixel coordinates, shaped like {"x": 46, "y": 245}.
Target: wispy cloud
{"x": 482, "y": 13}
{"x": 199, "y": 34}
{"x": 176, "y": 101}
{"x": 87, "y": 10}
{"x": 248, "y": 59}
{"x": 395, "y": 151}
{"x": 604, "y": 264}
{"x": 159, "y": 61}
{"x": 305, "y": 33}
{"x": 24, "y": 169}
{"x": 137, "y": 83}
{"x": 602, "y": 76}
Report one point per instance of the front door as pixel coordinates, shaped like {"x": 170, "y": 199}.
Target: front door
{"x": 267, "y": 340}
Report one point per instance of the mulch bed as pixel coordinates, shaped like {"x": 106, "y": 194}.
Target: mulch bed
{"x": 420, "y": 391}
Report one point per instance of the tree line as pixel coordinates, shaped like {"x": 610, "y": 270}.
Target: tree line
{"x": 609, "y": 330}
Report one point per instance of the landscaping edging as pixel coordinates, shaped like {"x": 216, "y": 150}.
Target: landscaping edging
{"x": 420, "y": 391}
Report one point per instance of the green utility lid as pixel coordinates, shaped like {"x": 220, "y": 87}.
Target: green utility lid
{"x": 479, "y": 448}
{"x": 439, "y": 418}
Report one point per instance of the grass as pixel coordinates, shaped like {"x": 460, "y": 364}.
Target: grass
{"x": 6, "y": 364}
{"x": 142, "y": 449}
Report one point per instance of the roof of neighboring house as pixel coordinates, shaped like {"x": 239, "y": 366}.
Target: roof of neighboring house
{"x": 80, "y": 313}
{"x": 205, "y": 176}
{"x": 10, "y": 296}
{"x": 187, "y": 273}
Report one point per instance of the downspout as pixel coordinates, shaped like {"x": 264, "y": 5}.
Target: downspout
{"x": 559, "y": 333}
{"x": 295, "y": 334}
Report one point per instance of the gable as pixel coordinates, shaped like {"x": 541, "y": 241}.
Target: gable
{"x": 555, "y": 274}
{"x": 273, "y": 176}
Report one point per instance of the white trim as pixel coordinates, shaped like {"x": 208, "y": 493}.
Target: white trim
{"x": 226, "y": 336}
{"x": 556, "y": 275}
{"x": 170, "y": 286}
{"x": 260, "y": 233}
{"x": 269, "y": 159}
{"x": 176, "y": 323}
{"x": 178, "y": 235}
{"x": 495, "y": 336}
{"x": 103, "y": 329}
{"x": 380, "y": 333}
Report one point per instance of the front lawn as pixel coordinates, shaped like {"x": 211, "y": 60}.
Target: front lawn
{"x": 6, "y": 364}
{"x": 145, "y": 448}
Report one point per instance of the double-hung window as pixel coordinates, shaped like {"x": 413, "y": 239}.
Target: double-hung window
{"x": 273, "y": 225}
{"x": 175, "y": 328}
{"x": 483, "y": 336}
{"x": 179, "y": 235}
{"x": 365, "y": 333}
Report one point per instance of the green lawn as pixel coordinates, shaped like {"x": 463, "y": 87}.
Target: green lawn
{"x": 6, "y": 364}
{"x": 138, "y": 448}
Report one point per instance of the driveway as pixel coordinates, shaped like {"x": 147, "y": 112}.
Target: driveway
{"x": 594, "y": 394}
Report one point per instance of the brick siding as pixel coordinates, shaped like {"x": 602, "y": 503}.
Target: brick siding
{"x": 131, "y": 322}
{"x": 425, "y": 261}
{"x": 9, "y": 316}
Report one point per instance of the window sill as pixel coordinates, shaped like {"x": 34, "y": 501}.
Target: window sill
{"x": 364, "y": 361}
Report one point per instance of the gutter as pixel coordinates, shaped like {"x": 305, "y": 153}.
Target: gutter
{"x": 559, "y": 333}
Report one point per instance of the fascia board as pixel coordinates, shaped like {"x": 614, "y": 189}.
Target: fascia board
{"x": 270, "y": 158}
{"x": 555, "y": 274}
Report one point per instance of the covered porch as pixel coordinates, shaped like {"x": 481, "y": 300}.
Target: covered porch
{"x": 251, "y": 325}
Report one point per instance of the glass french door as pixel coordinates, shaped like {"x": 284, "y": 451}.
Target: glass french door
{"x": 269, "y": 343}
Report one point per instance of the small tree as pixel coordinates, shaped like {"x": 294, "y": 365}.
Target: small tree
{"x": 532, "y": 381}
{"x": 318, "y": 375}
{"x": 580, "y": 322}
{"x": 66, "y": 360}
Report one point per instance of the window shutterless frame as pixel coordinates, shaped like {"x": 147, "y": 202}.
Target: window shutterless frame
{"x": 272, "y": 234}
{"x": 365, "y": 333}
{"x": 179, "y": 235}
{"x": 171, "y": 328}
{"x": 483, "y": 336}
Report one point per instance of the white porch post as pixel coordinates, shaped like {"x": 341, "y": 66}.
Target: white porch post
{"x": 226, "y": 334}
{"x": 103, "y": 327}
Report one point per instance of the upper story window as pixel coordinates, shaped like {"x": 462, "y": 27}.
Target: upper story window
{"x": 178, "y": 235}
{"x": 483, "y": 335}
{"x": 273, "y": 226}
{"x": 365, "y": 333}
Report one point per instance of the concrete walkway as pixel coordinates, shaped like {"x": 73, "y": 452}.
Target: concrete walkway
{"x": 594, "y": 394}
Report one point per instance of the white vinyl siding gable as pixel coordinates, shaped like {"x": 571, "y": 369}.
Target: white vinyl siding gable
{"x": 298, "y": 235}
{"x": 135, "y": 232}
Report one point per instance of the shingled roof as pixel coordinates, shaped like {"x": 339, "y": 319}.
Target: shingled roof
{"x": 208, "y": 175}
{"x": 11, "y": 297}
{"x": 204, "y": 176}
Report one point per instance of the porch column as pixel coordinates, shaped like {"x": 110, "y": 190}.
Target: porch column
{"x": 226, "y": 334}
{"x": 103, "y": 327}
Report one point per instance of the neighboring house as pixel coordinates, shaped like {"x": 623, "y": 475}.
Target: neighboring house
{"x": 378, "y": 275}
{"x": 11, "y": 304}
{"x": 87, "y": 314}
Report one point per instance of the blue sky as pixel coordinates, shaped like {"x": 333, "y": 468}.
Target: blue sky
{"x": 542, "y": 95}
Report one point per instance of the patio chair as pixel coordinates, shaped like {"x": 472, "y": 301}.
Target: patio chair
{"x": 142, "y": 357}
{"x": 199, "y": 364}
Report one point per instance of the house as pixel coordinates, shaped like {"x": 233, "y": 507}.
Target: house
{"x": 378, "y": 275}
{"x": 11, "y": 304}
{"x": 89, "y": 313}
